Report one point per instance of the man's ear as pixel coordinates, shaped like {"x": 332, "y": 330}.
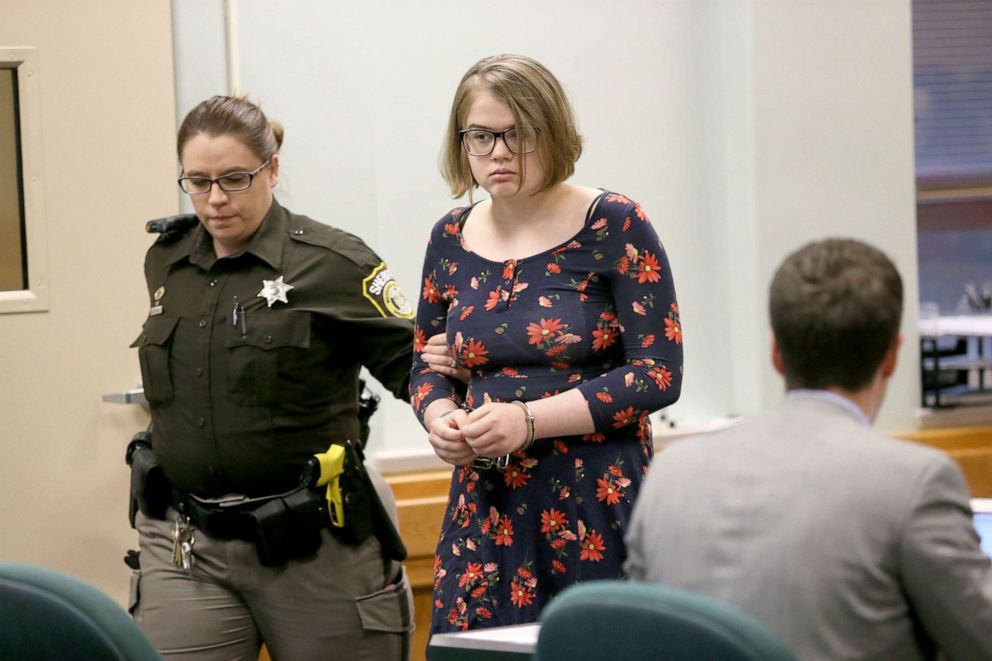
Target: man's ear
{"x": 777, "y": 357}
{"x": 891, "y": 357}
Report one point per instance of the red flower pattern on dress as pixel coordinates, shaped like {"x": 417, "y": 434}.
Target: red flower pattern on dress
{"x": 504, "y": 532}
{"x": 520, "y": 595}
{"x": 515, "y": 477}
{"x": 422, "y": 391}
{"x": 472, "y": 575}
{"x": 603, "y": 338}
{"x": 592, "y": 547}
{"x": 552, "y": 521}
{"x": 608, "y": 492}
{"x": 474, "y": 354}
{"x": 419, "y": 339}
{"x": 430, "y": 292}
{"x": 673, "y": 330}
{"x": 543, "y": 332}
{"x": 662, "y": 377}
{"x": 624, "y": 417}
{"x": 648, "y": 270}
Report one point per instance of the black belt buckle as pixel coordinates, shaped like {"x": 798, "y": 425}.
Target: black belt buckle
{"x": 485, "y": 463}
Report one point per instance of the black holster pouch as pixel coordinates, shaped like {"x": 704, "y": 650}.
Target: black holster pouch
{"x": 365, "y": 512}
{"x": 150, "y": 491}
{"x": 358, "y": 497}
{"x": 288, "y": 527}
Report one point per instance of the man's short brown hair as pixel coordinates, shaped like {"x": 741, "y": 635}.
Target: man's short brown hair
{"x": 835, "y": 307}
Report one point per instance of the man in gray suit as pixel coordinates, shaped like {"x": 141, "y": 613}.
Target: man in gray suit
{"x": 843, "y": 542}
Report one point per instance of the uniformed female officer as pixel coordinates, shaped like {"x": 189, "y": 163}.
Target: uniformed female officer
{"x": 259, "y": 322}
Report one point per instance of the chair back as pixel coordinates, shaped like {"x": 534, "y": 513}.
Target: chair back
{"x": 45, "y": 614}
{"x": 625, "y": 621}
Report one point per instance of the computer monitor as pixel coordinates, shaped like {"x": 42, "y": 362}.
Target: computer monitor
{"x": 982, "y": 507}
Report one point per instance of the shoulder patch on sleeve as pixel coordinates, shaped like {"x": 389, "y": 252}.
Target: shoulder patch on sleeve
{"x": 383, "y": 292}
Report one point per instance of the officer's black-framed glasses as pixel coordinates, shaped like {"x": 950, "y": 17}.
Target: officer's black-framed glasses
{"x": 232, "y": 182}
{"x": 481, "y": 142}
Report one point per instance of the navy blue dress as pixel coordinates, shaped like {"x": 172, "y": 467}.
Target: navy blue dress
{"x": 597, "y": 313}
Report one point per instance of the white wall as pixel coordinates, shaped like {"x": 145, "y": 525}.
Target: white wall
{"x": 744, "y": 127}
{"x": 105, "y": 87}
{"x": 832, "y": 97}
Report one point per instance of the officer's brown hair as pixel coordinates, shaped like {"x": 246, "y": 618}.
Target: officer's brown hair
{"x": 235, "y": 116}
{"x": 835, "y": 307}
{"x": 536, "y": 99}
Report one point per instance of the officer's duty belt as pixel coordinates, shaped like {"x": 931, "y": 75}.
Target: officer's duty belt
{"x": 221, "y": 521}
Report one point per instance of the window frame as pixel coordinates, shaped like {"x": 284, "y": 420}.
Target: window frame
{"x": 24, "y": 61}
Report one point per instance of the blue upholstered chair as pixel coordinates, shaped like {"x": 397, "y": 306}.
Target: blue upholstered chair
{"x": 625, "y": 621}
{"x": 45, "y": 614}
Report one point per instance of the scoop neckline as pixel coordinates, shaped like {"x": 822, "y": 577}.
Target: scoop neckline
{"x": 465, "y": 247}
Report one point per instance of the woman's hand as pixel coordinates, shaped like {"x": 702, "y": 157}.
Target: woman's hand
{"x": 438, "y": 357}
{"x": 496, "y": 428}
{"x": 446, "y": 437}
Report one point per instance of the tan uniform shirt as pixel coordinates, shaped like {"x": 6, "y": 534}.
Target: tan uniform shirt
{"x": 250, "y": 363}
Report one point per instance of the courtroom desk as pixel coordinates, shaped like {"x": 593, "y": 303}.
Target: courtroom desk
{"x": 970, "y": 447}
{"x": 512, "y": 643}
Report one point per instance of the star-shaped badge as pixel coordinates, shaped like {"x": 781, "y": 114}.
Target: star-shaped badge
{"x": 274, "y": 290}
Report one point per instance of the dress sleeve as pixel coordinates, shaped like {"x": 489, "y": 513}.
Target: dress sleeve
{"x": 427, "y": 385}
{"x": 647, "y": 319}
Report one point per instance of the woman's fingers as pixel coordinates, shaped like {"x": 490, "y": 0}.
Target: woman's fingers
{"x": 438, "y": 357}
{"x": 448, "y": 440}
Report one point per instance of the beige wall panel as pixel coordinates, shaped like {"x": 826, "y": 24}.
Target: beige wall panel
{"x": 107, "y": 127}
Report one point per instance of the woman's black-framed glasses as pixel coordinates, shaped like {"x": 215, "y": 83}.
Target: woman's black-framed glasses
{"x": 232, "y": 182}
{"x": 481, "y": 142}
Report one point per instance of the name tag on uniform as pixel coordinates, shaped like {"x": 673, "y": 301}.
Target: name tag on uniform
{"x": 155, "y": 311}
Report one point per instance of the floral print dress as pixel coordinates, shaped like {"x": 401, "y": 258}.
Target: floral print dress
{"x": 597, "y": 313}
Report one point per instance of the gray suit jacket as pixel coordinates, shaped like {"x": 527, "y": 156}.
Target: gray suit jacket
{"x": 845, "y": 543}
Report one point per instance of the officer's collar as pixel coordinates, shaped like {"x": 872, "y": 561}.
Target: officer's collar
{"x": 266, "y": 244}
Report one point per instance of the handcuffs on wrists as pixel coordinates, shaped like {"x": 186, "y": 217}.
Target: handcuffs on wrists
{"x": 501, "y": 463}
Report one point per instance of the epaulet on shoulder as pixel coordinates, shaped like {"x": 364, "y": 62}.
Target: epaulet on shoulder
{"x": 313, "y": 233}
{"x": 324, "y": 236}
{"x": 171, "y": 228}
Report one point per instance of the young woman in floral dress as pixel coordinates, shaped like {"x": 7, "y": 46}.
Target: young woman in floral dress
{"x": 559, "y": 300}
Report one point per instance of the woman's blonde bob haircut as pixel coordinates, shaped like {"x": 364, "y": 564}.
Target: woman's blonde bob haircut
{"x": 536, "y": 100}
